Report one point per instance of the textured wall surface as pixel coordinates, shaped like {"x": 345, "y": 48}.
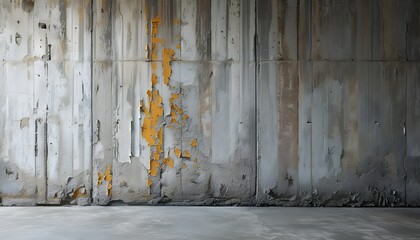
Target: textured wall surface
{"x": 291, "y": 102}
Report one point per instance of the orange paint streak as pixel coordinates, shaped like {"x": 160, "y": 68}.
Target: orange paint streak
{"x": 186, "y": 154}
{"x": 155, "y": 25}
{"x": 167, "y": 55}
{"x": 154, "y": 79}
{"x": 175, "y": 110}
{"x": 152, "y": 116}
{"x": 177, "y": 152}
{"x": 169, "y": 162}
{"x": 155, "y": 40}
{"x": 108, "y": 178}
{"x": 160, "y": 141}
{"x": 194, "y": 143}
{"x": 154, "y": 168}
{"x": 154, "y": 111}
{"x": 100, "y": 178}
{"x": 78, "y": 193}
{"x": 156, "y": 156}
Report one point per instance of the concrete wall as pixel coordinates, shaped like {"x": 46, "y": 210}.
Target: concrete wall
{"x": 292, "y": 102}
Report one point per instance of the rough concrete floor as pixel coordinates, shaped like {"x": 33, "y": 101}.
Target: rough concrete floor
{"x": 207, "y": 223}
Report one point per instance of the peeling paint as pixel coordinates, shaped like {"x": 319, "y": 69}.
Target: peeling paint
{"x": 194, "y": 143}
{"x": 167, "y": 55}
{"x": 269, "y": 102}
{"x": 177, "y": 152}
{"x": 108, "y": 178}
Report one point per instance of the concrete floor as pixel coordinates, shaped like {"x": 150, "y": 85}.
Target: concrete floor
{"x": 207, "y": 223}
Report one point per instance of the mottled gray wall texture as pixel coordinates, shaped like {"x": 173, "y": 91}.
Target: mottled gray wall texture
{"x": 223, "y": 102}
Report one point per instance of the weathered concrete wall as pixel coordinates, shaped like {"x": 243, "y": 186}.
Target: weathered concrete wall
{"x": 174, "y": 105}
{"x": 45, "y": 148}
{"x": 292, "y": 102}
{"x": 351, "y": 70}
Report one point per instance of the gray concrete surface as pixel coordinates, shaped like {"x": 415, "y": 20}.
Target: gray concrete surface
{"x": 207, "y": 223}
{"x": 278, "y": 102}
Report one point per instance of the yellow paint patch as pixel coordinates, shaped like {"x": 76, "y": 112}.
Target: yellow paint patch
{"x": 167, "y": 55}
{"x": 148, "y": 132}
{"x": 154, "y": 79}
{"x": 177, "y": 152}
{"x": 149, "y": 182}
{"x": 169, "y": 162}
{"x": 178, "y": 46}
{"x": 151, "y": 119}
{"x": 160, "y": 140}
{"x": 100, "y": 178}
{"x": 79, "y": 193}
{"x": 175, "y": 110}
{"x": 155, "y": 25}
{"x": 108, "y": 178}
{"x": 156, "y": 156}
{"x": 186, "y": 154}
{"x": 154, "y": 168}
{"x": 176, "y": 21}
{"x": 155, "y": 32}
{"x": 194, "y": 143}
